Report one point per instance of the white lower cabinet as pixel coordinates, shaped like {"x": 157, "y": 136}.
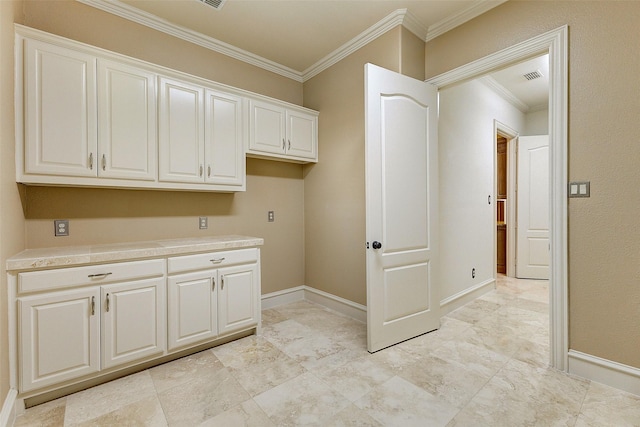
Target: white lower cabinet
{"x": 77, "y": 323}
{"x": 68, "y": 334}
{"x": 212, "y": 302}
{"x": 59, "y": 337}
{"x": 133, "y": 321}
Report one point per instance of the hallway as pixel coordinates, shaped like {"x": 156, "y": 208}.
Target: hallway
{"x": 486, "y": 366}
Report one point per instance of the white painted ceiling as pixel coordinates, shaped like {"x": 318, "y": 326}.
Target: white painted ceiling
{"x": 527, "y": 95}
{"x": 297, "y": 35}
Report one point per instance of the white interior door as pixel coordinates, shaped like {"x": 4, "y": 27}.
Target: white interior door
{"x": 401, "y": 207}
{"x": 532, "y": 258}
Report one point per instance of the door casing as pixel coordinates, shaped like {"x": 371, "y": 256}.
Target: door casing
{"x": 556, "y": 44}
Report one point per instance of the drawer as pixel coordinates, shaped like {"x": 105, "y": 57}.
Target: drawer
{"x": 211, "y": 260}
{"x": 91, "y": 275}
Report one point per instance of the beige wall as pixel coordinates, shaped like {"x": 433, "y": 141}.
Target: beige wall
{"x": 106, "y": 216}
{"x": 11, "y": 218}
{"x": 334, "y": 188}
{"x": 604, "y": 106}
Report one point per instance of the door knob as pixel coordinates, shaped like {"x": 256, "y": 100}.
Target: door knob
{"x": 376, "y": 245}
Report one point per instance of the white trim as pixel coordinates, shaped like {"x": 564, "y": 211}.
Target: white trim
{"x": 398, "y": 17}
{"x": 453, "y": 302}
{"x": 286, "y": 296}
{"x": 604, "y": 371}
{"x": 8, "y": 413}
{"x": 555, "y": 43}
{"x": 476, "y": 9}
{"x": 336, "y": 303}
{"x": 306, "y": 293}
{"x": 133, "y": 14}
{"x": 381, "y": 27}
{"x": 504, "y": 93}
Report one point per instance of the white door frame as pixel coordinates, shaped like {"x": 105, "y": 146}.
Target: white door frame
{"x": 555, "y": 43}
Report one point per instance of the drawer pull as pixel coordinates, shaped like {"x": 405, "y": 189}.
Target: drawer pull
{"x": 217, "y": 260}
{"x": 98, "y": 276}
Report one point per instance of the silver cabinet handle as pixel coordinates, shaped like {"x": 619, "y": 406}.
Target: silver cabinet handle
{"x": 217, "y": 260}
{"x": 209, "y": 170}
{"x": 91, "y": 161}
{"x": 93, "y": 306}
{"x": 289, "y": 145}
{"x": 106, "y": 308}
{"x": 284, "y": 144}
{"x": 98, "y": 276}
{"x": 222, "y": 283}
{"x": 200, "y": 170}
{"x": 104, "y": 162}
{"x": 213, "y": 287}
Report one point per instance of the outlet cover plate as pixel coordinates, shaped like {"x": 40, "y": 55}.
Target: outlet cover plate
{"x": 203, "y": 222}
{"x": 61, "y": 227}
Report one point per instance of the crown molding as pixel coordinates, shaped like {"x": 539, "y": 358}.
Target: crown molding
{"x": 473, "y": 11}
{"x": 505, "y": 93}
{"x": 130, "y": 13}
{"x": 398, "y": 17}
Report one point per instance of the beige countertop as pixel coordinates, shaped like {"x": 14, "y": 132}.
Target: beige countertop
{"x": 34, "y": 259}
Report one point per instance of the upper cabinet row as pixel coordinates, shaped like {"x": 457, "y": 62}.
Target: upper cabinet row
{"x": 89, "y": 117}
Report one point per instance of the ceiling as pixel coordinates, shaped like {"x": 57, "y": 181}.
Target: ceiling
{"x": 297, "y": 38}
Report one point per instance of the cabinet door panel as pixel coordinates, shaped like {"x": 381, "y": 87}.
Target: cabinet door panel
{"x": 58, "y": 337}
{"x": 301, "y": 135}
{"x": 133, "y": 325}
{"x": 192, "y": 311}
{"x": 267, "y": 128}
{"x": 237, "y": 300}
{"x": 60, "y": 111}
{"x": 223, "y": 139}
{"x": 127, "y": 120}
{"x": 181, "y": 131}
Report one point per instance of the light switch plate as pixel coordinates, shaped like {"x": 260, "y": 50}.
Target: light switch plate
{"x": 580, "y": 189}
{"x": 61, "y": 227}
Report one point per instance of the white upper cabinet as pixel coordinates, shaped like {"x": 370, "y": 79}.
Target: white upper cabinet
{"x": 126, "y": 121}
{"x": 181, "y": 134}
{"x": 224, "y": 146}
{"x": 60, "y": 136}
{"x": 284, "y": 132}
{"x": 200, "y": 135}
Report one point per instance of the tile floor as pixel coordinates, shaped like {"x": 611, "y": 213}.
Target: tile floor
{"x": 486, "y": 366}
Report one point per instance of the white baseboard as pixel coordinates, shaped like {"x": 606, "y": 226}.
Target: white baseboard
{"x": 453, "y": 302}
{"x": 8, "y": 413}
{"x": 605, "y": 371}
{"x": 286, "y": 296}
{"x": 300, "y": 293}
{"x": 336, "y": 303}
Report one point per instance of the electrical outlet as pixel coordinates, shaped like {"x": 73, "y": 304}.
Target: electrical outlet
{"x": 203, "y": 222}
{"x": 271, "y": 216}
{"x": 61, "y": 227}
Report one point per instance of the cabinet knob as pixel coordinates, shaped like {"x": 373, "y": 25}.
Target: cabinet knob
{"x": 376, "y": 245}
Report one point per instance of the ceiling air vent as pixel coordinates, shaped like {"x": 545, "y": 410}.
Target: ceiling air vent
{"x": 216, "y": 4}
{"x": 533, "y": 75}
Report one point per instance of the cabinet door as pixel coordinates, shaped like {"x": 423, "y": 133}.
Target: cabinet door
{"x": 302, "y": 134}
{"x": 192, "y": 308}
{"x": 127, "y": 122}
{"x": 133, "y": 322}
{"x": 224, "y": 153}
{"x": 238, "y": 298}
{"x": 267, "y": 127}
{"x": 59, "y": 337}
{"x": 60, "y": 111}
{"x": 181, "y": 131}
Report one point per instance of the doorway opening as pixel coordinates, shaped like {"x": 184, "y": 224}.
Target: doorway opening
{"x": 554, "y": 43}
